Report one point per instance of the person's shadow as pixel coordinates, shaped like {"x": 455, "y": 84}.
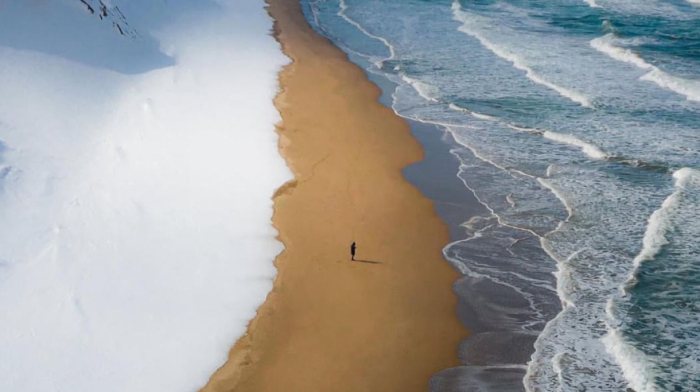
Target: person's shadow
{"x": 368, "y": 261}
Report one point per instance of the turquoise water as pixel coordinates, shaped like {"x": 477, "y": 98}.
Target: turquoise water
{"x": 577, "y": 126}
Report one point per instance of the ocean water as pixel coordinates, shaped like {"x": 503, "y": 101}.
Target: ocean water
{"x": 576, "y": 126}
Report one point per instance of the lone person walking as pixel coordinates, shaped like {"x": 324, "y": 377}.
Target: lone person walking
{"x": 353, "y": 247}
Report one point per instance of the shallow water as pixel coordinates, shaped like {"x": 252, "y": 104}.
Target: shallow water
{"x": 575, "y": 125}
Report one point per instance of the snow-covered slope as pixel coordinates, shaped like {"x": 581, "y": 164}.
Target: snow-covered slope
{"x": 137, "y": 161}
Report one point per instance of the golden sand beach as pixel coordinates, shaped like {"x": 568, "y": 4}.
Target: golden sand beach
{"x": 330, "y": 324}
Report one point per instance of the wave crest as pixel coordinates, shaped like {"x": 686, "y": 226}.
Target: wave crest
{"x": 661, "y": 221}
{"x": 467, "y": 27}
{"x": 689, "y": 88}
{"x": 589, "y": 149}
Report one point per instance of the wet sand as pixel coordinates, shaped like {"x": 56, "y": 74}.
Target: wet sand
{"x": 387, "y": 322}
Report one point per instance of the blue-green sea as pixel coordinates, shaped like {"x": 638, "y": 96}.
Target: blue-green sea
{"x": 577, "y": 127}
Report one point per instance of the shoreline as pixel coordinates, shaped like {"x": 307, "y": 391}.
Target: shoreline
{"x": 493, "y": 357}
{"x": 329, "y": 323}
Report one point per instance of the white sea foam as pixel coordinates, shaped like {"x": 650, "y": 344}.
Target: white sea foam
{"x": 605, "y": 44}
{"x": 636, "y": 367}
{"x": 661, "y": 221}
{"x": 658, "y": 225}
{"x": 425, "y": 90}
{"x": 563, "y": 274}
{"x": 589, "y": 149}
{"x": 511, "y": 200}
{"x": 638, "y": 370}
{"x": 524, "y": 129}
{"x": 689, "y": 88}
{"x": 313, "y": 7}
{"x": 685, "y": 175}
{"x": 480, "y": 116}
{"x": 343, "y": 14}
{"x": 468, "y": 28}
{"x": 483, "y": 116}
{"x": 135, "y": 235}
{"x": 459, "y": 108}
{"x": 592, "y": 4}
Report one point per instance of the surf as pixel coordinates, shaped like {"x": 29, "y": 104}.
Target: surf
{"x": 466, "y": 27}
{"x": 686, "y": 87}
